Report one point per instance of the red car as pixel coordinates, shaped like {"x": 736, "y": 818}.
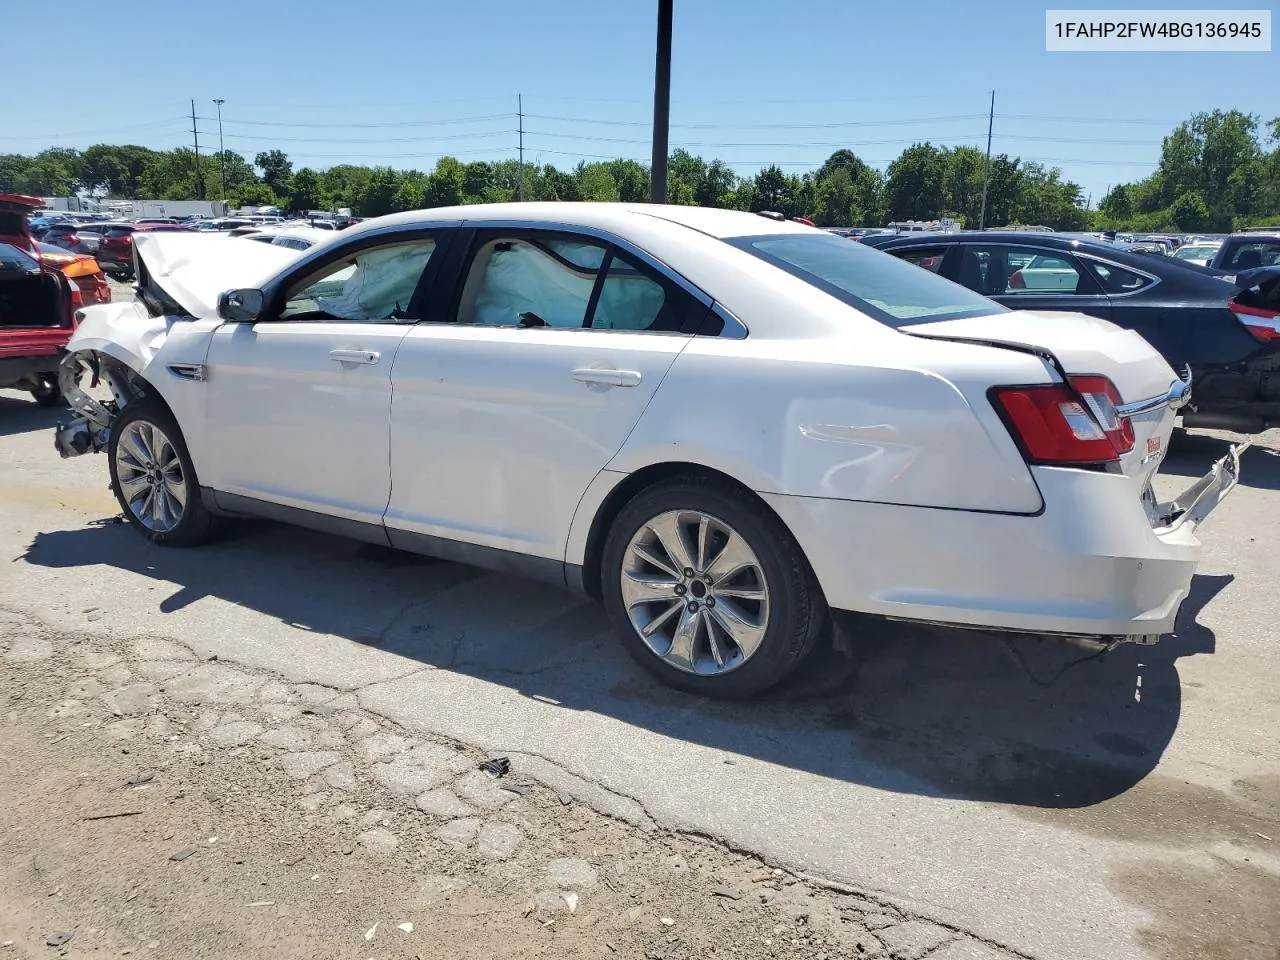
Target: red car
{"x": 115, "y": 250}
{"x": 36, "y": 312}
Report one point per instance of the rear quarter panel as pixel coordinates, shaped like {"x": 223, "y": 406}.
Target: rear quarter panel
{"x": 902, "y": 421}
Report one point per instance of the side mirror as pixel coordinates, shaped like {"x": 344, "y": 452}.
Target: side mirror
{"x": 241, "y": 306}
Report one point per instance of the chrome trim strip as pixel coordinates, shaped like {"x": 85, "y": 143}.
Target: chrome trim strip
{"x": 734, "y": 329}
{"x": 1178, "y": 395}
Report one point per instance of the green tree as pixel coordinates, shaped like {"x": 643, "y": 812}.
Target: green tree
{"x": 477, "y": 182}
{"x": 915, "y": 184}
{"x": 304, "y": 191}
{"x": 595, "y": 182}
{"x": 276, "y": 170}
{"x": 376, "y": 194}
{"x": 770, "y": 190}
{"x": 447, "y": 184}
{"x": 1189, "y": 212}
{"x": 632, "y": 179}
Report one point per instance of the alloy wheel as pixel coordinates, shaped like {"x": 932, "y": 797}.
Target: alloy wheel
{"x": 695, "y": 592}
{"x": 152, "y": 481}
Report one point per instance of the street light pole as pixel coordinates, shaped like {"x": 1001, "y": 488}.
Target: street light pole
{"x": 661, "y": 104}
{"x": 222, "y": 152}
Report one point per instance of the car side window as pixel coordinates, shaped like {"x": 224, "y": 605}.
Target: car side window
{"x": 930, "y": 258}
{"x": 999, "y": 270}
{"x": 374, "y": 285}
{"x": 569, "y": 283}
{"x": 538, "y": 282}
{"x": 1116, "y": 279}
{"x": 1254, "y": 254}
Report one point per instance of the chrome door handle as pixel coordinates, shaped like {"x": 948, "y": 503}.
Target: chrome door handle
{"x": 610, "y": 376}
{"x": 355, "y": 356}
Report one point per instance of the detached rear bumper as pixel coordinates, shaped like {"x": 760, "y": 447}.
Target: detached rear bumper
{"x": 1092, "y": 564}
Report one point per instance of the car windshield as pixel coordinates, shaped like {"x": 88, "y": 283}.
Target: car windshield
{"x": 893, "y": 291}
{"x": 1196, "y": 252}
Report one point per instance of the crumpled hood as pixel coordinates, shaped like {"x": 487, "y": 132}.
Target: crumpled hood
{"x": 194, "y": 270}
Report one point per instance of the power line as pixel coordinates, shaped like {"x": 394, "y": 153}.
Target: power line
{"x": 432, "y": 138}
{"x": 764, "y": 126}
{"x": 1028, "y": 116}
{"x": 714, "y": 144}
{"x": 394, "y": 123}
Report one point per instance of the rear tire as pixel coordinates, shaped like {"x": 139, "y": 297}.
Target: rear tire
{"x": 730, "y": 618}
{"x": 49, "y": 394}
{"x": 153, "y": 478}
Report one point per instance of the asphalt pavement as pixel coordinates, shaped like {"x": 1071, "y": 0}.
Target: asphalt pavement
{"x": 1060, "y": 806}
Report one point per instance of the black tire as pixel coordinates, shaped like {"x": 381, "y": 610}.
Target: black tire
{"x": 196, "y": 524}
{"x": 797, "y": 613}
{"x": 49, "y": 393}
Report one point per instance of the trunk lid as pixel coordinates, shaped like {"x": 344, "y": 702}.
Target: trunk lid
{"x": 194, "y": 269}
{"x": 1086, "y": 346}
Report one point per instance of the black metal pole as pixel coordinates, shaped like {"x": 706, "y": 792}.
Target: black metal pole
{"x": 196, "y": 137}
{"x": 222, "y": 152}
{"x": 661, "y": 104}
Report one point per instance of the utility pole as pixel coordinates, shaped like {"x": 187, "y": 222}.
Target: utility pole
{"x": 986, "y": 166}
{"x": 520, "y": 122}
{"x": 661, "y": 104}
{"x": 196, "y": 138}
{"x": 222, "y": 152}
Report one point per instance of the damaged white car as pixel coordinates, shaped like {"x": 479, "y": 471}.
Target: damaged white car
{"x": 725, "y": 427}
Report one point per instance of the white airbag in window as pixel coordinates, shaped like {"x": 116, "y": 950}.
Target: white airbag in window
{"x": 381, "y": 285}
{"x": 523, "y": 279}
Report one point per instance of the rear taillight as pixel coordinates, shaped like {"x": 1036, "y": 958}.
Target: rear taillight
{"x": 73, "y": 239}
{"x": 1061, "y": 424}
{"x": 1264, "y": 324}
{"x": 77, "y": 298}
{"x": 1102, "y": 398}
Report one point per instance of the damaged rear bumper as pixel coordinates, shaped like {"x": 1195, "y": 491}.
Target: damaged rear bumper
{"x": 1093, "y": 564}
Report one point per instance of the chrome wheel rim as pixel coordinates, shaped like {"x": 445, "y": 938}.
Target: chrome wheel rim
{"x": 695, "y": 592}
{"x": 149, "y": 472}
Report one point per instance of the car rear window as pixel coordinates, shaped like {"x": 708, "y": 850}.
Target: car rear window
{"x": 890, "y": 290}
{"x": 119, "y": 232}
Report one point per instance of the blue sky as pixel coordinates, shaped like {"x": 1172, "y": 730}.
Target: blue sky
{"x": 753, "y": 81}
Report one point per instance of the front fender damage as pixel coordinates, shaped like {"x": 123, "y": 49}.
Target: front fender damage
{"x": 88, "y": 432}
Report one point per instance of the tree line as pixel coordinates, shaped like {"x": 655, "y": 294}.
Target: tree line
{"x": 1214, "y": 173}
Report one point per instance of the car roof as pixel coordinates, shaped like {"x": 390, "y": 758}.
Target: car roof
{"x": 607, "y": 216}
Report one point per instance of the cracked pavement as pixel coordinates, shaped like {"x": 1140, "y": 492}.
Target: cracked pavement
{"x": 1127, "y": 809}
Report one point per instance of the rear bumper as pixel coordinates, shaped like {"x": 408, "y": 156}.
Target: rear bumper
{"x": 1090, "y": 564}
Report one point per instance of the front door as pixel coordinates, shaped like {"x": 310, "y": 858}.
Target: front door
{"x": 504, "y": 413}
{"x": 299, "y": 403}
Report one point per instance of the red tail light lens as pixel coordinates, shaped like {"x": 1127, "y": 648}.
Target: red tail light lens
{"x": 1264, "y": 324}
{"x": 1060, "y": 425}
{"x": 77, "y": 298}
{"x": 1016, "y": 282}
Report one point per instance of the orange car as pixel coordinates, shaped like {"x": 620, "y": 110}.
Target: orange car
{"x": 88, "y": 282}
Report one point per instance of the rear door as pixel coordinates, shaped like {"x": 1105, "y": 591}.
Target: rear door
{"x": 514, "y": 399}
{"x": 1029, "y": 277}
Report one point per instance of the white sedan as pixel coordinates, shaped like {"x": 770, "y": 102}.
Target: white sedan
{"x": 725, "y": 427}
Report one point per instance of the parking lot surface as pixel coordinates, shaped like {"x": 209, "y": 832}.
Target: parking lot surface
{"x": 1005, "y": 797}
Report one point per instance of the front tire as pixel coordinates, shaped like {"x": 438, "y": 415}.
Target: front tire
{"x": 708, "y": 591}
{"x": 153, "y": 478}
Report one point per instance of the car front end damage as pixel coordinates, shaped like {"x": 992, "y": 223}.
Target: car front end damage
{"x": 88, "y": 431}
